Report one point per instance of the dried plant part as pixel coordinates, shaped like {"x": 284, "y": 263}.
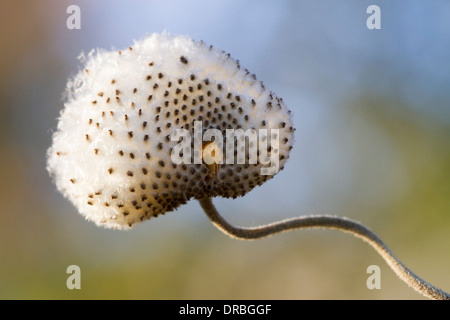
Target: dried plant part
{"x": 112, "y": 153}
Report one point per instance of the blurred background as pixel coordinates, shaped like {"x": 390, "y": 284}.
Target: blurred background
{"x": 372, "y": 112}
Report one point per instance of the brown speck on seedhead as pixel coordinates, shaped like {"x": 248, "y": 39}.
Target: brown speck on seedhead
{"x": 183, "y": 60}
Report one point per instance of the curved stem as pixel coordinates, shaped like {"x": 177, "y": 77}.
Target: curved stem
{"x": 328, "y": 222}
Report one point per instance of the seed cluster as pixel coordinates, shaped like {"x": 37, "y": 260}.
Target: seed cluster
{"x": 111, "y": 154}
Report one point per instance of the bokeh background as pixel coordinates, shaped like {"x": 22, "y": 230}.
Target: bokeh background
{"x": 372, "y": 112}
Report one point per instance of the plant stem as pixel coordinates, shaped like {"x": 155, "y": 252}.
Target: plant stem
{"x": 327, "y": 222}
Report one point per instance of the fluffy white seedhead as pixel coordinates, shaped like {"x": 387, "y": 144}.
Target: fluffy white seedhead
{"x": 112, "y": 153}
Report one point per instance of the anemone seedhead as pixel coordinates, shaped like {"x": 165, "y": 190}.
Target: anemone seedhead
{"x": 113, "y": 152}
